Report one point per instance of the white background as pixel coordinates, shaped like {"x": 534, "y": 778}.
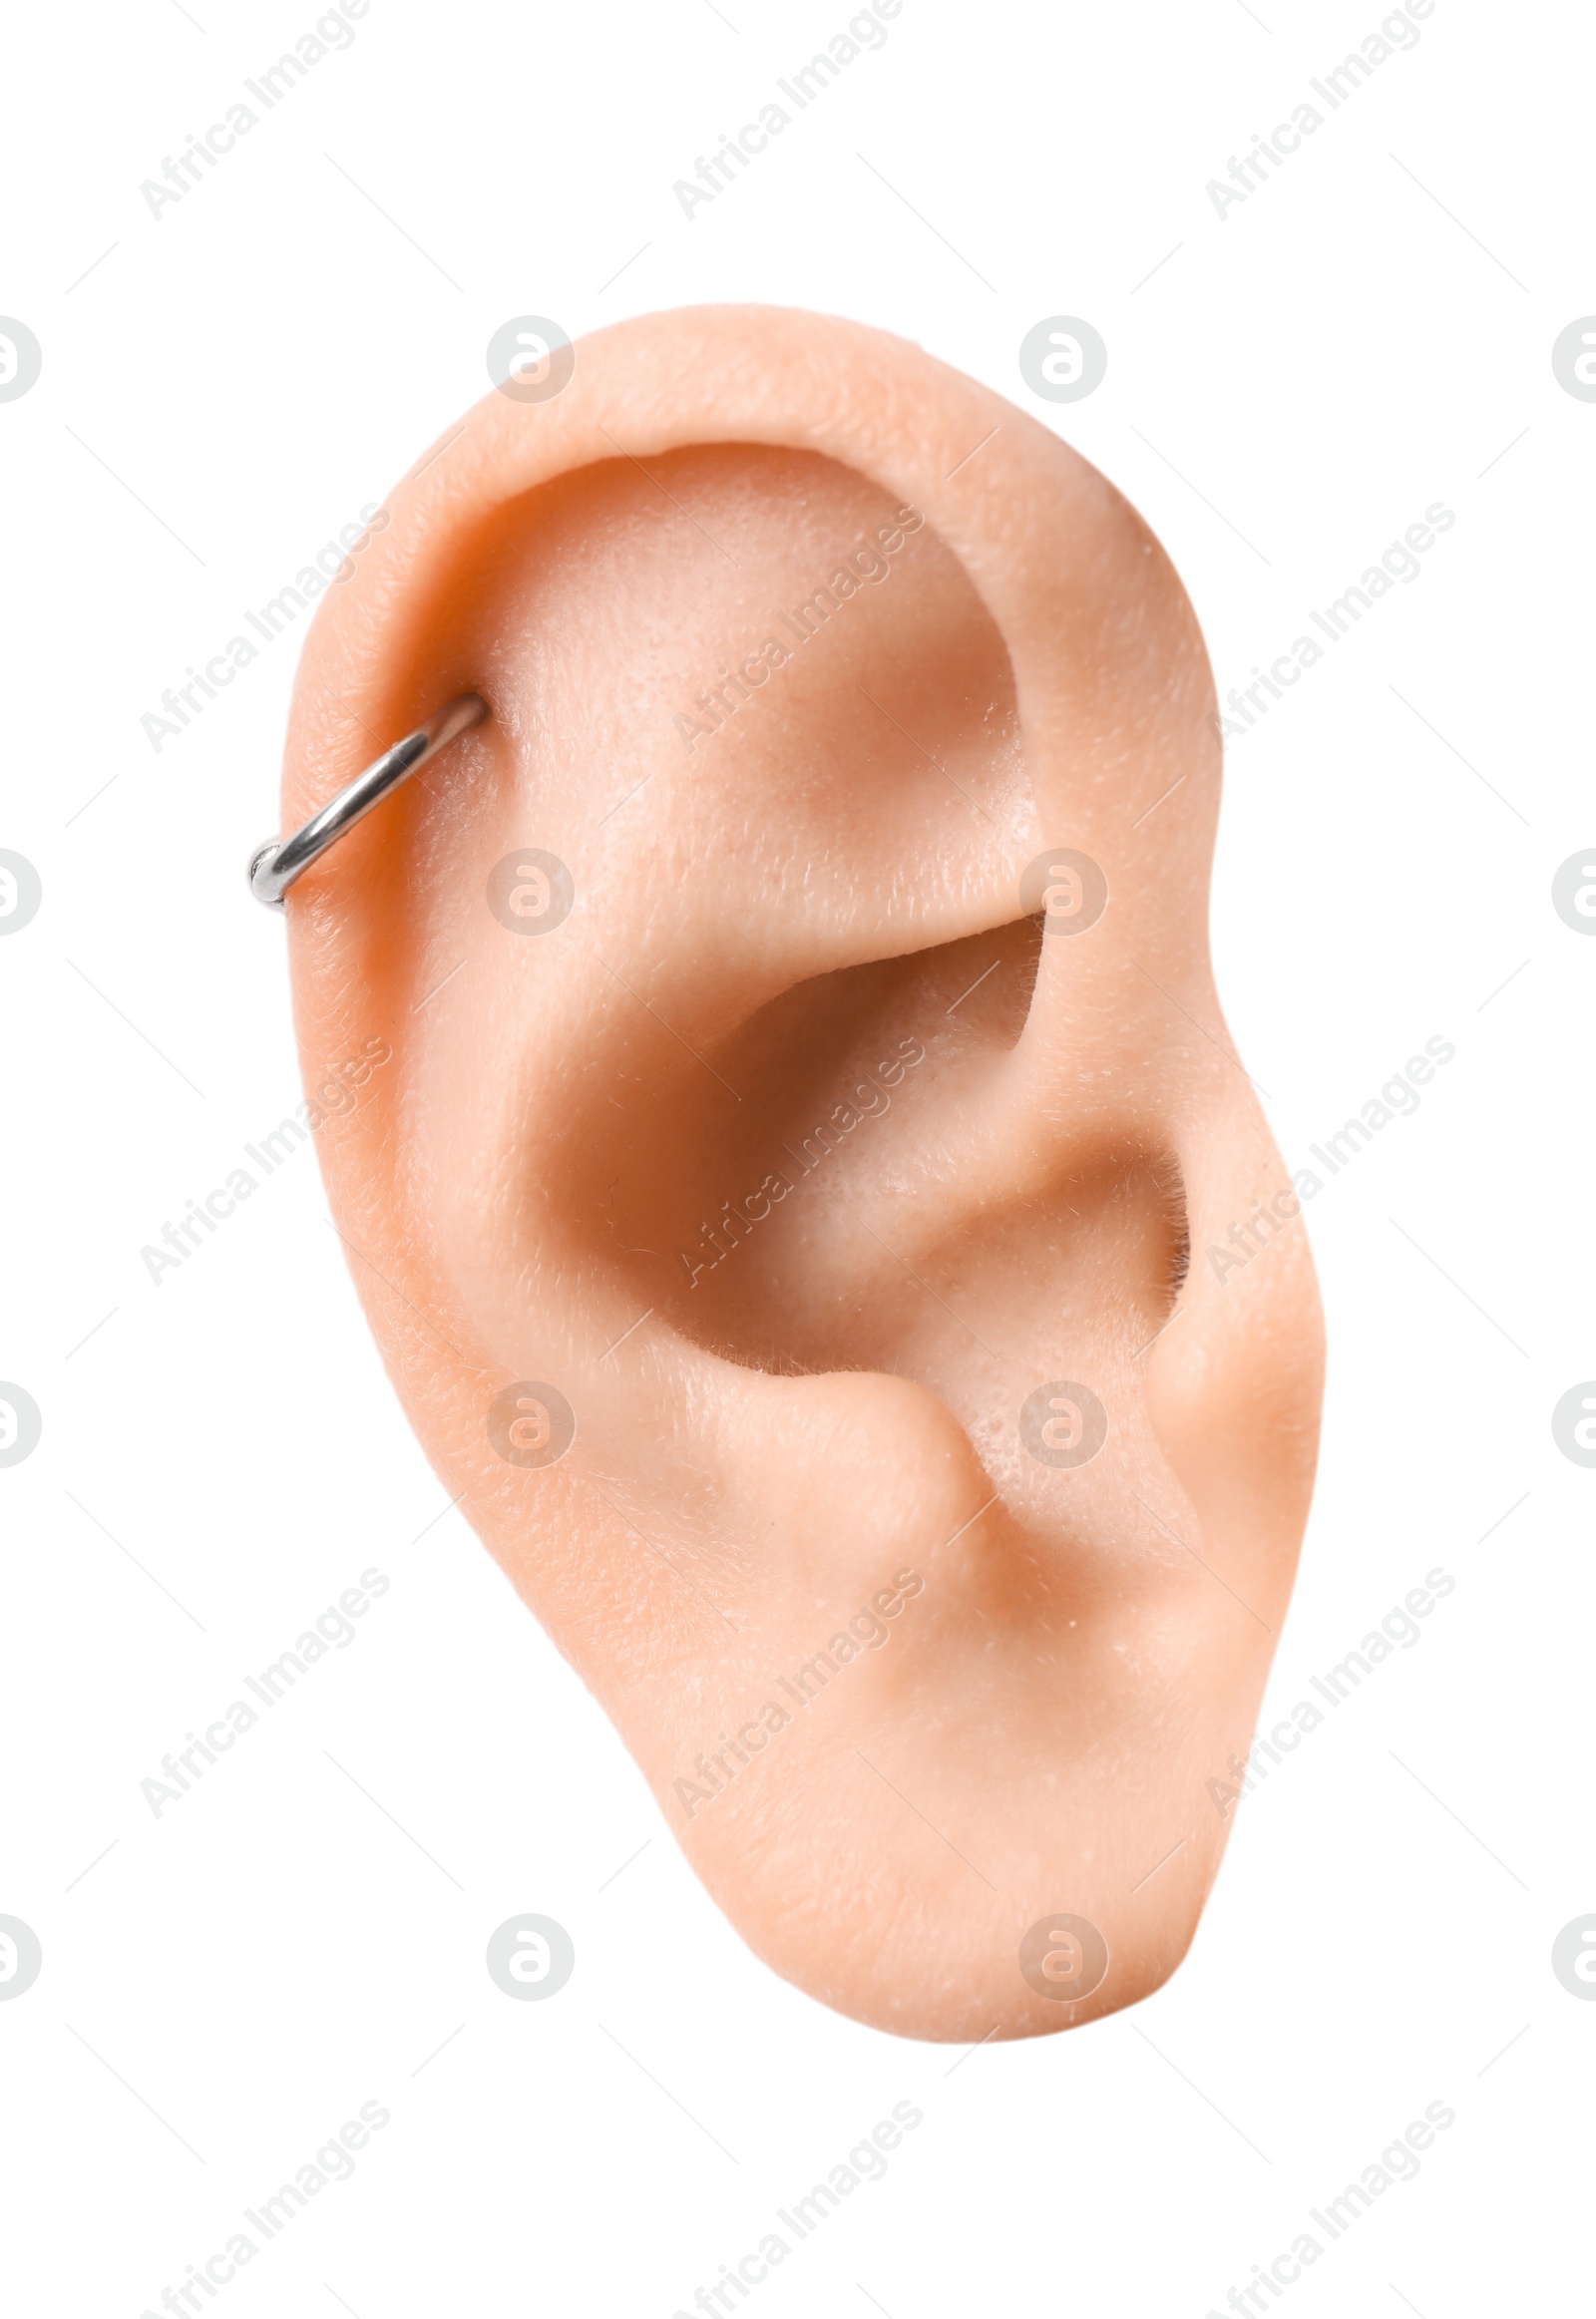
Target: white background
{"x": 221, "y": 1457}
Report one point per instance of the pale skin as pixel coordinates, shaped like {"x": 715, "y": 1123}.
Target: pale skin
{"x": 788, "y": 904}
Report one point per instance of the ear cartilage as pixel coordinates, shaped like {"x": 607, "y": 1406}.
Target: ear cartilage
{"x": 274, "y": 865}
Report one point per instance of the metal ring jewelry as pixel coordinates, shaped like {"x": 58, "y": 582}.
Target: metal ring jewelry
{"x": 274, "y": 865}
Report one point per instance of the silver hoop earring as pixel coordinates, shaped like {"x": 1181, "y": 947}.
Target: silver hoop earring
{"x": 274, "y": 865}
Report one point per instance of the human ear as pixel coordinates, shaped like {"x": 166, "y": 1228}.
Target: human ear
{"x": 829, "y": 1191}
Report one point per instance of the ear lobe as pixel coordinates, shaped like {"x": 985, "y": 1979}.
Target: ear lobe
{"x": 808, "y": 1090}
